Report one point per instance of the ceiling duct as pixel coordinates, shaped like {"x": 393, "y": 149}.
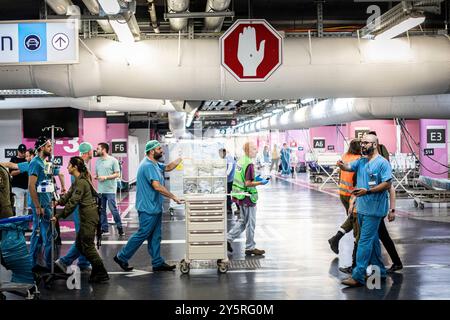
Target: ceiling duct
{"x": 178, "y": 6}
{"x": 89, "y": 104}
{"x": 214, "y": 24}
{"x": 344, "y": 110}
{"x": 338, "y": 67}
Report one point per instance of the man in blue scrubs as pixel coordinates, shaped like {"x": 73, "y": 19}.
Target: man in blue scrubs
{"x": 374, "y": 176}
{"x": 285, "y": 160}
{"x": 41, "y": 202}
{"x": 149, "y": 205}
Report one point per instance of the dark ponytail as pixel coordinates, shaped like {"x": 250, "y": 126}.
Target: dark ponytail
{"x": 78, "y": 162}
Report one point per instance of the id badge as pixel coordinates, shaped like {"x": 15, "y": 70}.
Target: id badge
{"x": 373, "y": 180}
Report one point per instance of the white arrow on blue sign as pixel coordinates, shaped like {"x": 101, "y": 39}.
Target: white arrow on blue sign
{"x": 39, "y": 42}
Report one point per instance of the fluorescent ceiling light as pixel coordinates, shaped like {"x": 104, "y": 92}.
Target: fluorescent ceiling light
{"x": 291, "y": 106}
{"x": 267, "y": 114}
{"x": 257, "y": 101}
{"x": 257, "y": 118}
{"x": 409, "y": 23}
{"x": 277, "y": 111}
{"x": 122, "y": 30}
{"x": 110, "y": 6}
{"x": 307, "y": 100}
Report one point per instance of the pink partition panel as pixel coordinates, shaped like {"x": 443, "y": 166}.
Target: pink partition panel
{"x": 429, "y": 167}
{"x": 386, "y": 131}
{"x": 331, "y": 135}
{"x": 413, "y": 127}
{"x": 118, "y": 131}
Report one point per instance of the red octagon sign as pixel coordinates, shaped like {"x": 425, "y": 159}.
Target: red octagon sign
{"x": 251, "y": 50}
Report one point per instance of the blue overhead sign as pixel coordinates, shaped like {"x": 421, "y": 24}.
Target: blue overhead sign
{"x": 39, "y": 42}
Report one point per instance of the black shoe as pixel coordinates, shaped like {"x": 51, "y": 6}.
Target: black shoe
{"x": 347, "y": 270}
{"x": 98, "y": 278}
{"x": 122, "y": 264}
{"x": 165, "y": 267}
{"x": 121, "y": 233}
{"x": 334, "y": 242}
{"x": 229, "y": 248}
{"x": 395, "y": 267}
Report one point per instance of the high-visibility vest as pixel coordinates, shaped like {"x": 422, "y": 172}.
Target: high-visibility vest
{"x": 239, "y": 187}
{"x": 346, "y": 181}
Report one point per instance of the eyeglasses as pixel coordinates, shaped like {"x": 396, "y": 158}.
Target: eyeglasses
{"x": 363, "y": 143}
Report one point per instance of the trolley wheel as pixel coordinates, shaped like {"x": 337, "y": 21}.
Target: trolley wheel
{"x": 222, "y": 267}
{"x": 319, "y": 180}
{"x": 416, "y": 204}
{"x": 422, "y": 205}
{"x": 184, "y": 267}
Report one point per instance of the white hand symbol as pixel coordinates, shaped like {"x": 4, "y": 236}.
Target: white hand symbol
{"x": 249, "y": 58}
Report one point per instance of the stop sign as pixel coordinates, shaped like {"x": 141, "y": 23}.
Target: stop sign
{"x": 251, "y": 50}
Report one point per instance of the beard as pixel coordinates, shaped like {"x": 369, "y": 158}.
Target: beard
{"x": 368, "y": 151}
{"x": 157, "y": 156}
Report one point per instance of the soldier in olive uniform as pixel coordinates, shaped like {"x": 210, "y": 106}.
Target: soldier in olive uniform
{"x": 13, "y": 248}
{"x": 81, "y": 194}
{"x": 6, "y": 207}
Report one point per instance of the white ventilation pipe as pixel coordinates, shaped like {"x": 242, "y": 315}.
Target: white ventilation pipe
{"x": 344, "y": 110}
{"x": 214, "y": 24}
{"x": 59, "y": 6}
{"x": 89, "y": 104}
{"x": 337, "y": 69}
{"x": 178, "y": 6}
{"x": 177, "y": 125}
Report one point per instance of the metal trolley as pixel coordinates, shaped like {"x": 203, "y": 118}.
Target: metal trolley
{"x": 206, "y": 219}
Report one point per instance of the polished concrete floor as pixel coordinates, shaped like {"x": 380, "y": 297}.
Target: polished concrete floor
{"x": 294, "y": 222}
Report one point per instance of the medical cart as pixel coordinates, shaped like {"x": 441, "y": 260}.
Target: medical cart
{"x": 206, "y": 218}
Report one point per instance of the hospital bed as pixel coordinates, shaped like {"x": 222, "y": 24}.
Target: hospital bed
{"x": 434, "y": 191}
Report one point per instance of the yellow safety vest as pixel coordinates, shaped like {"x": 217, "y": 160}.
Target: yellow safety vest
{"x": 239, "y": 187}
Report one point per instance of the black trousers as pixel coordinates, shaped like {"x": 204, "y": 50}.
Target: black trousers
{"x": 229, "y": 187}
{"x": 388, "y": 244}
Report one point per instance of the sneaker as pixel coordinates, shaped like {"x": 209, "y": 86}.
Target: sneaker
{"x": 122, "y": 264}
{"x": 395, "y": 267}
{"x": 85, "y": 269}
{"x": 105, "y": 233}
{"x": 347, "y": 270}
{"x": 61, "y": 266}
{"x": 352, "y": 283}
{"x": 256, "y": 252}
{"x": 99, "y": 278}
{"x": 165, "y": 267}
{"x": 229, "y": 248}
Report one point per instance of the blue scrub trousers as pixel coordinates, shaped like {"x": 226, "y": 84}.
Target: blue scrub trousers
{"x": 369, "y": 248}
{"x": 73, "y": 252}
{"x": 44, "y": 238}
{"x": 286, "y": 169}
{"x": 150, "y": 230}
